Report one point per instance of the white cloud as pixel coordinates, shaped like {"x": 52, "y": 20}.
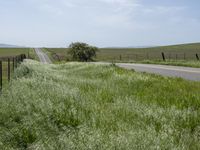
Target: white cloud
{"x": 51, "y": 9}
{"x": 98, "y": 21}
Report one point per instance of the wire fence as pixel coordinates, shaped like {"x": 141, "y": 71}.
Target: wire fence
{"x": 150, "y": 56}
{"x": 7, "y": 68}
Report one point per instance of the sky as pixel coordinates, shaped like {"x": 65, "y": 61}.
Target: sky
{"x": 103, "y": 23}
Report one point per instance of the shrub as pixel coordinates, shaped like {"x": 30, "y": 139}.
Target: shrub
{"x": 82, "y": 51}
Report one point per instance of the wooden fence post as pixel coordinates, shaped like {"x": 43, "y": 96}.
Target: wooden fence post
{"x": 197, "y": 56}
{"x": 8, "y": 69}
{"x": 163, "y": 56}
{"x": 13, "y": 64}
{"x": 21, "y": 58}
{"x": 16, "y": 61}
{"x": 1, "y": 74}
{"x": 28, "y": 55}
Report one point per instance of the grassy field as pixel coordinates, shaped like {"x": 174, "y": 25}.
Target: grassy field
{"x": 4, "y": 52}
{"x": 88, "y": 106}
{"x": 176, "y": 52}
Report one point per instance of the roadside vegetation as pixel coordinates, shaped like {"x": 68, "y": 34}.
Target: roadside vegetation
{"x": 89, "y": 106}
{"x": 190, "y": 63}
{"x": 184, "y": 63}
{"x": 32, "y": 54}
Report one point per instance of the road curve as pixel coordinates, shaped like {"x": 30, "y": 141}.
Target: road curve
{"x": 187, "y": 73}
{"x": 42, "y": 56}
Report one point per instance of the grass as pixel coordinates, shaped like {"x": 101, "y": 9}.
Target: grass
{"x": 175, "y": 52}
{"x": 88, "y": 106}
{"x": 195, "y": 64}
{"x": 33, "y": 55}
{"x": 5, "y": 52}
{"x": 12, "y": 52}
{"x": 185, "y": 63}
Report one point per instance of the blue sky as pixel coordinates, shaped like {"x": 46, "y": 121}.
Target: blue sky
{"x": 104, "y": 23}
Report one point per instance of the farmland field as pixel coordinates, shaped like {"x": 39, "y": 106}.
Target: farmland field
{"x": 175, "y": 52}
{"x": 88, "y": 106}
{"x": 4, "y": 52}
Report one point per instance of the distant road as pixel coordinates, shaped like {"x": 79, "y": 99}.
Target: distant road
{"x": 165, "y": 70}
{"x": 42, "y": 56}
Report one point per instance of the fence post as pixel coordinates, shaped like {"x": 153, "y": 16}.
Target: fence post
{"x": 163, "y": 56}
{"x": 197, "y": 56}
{"x": 21, "y": 58}
{"x": 120, "y": 57}
{"x": 16, "y": 61}
{"x": 28, "y": 54}
{"x": 13, "y": 64}
{"x": 8, "y": 69}
{"x": 184, "y": 56}
{"x": 1, "y": 74}
{"x": 176, "y": 56}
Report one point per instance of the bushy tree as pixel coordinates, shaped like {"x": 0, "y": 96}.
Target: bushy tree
{"x": 82, "y": 51}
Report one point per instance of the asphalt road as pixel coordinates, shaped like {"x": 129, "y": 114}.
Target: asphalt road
{"x": 42, "y": 56}
{"x": 187, "y": 73}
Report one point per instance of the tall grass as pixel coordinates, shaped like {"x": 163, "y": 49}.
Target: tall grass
{"x": 88, "y": 106}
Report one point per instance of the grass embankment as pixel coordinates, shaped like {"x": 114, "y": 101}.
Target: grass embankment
{"x": 88, "y": 106}
{"x": 195, "y": 64}
{"x": 176, "y": 52}
{"x": 184, "y": 63}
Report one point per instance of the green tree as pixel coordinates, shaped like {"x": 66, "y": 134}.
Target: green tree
{"x": 82, "y": 51}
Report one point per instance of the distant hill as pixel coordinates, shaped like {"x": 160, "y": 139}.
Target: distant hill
{"x": 180, "y": 46}
{"x": 173, "y": 48}
{"x": 9, "y": 46}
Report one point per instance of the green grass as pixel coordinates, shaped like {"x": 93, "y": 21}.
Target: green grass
{"x": 185, "y": 63}
{"x": 175, "y": 52}
{"x": 33, "y": 55}
{"x": 5, "y": 52}
{"x": 88, "y": 106}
